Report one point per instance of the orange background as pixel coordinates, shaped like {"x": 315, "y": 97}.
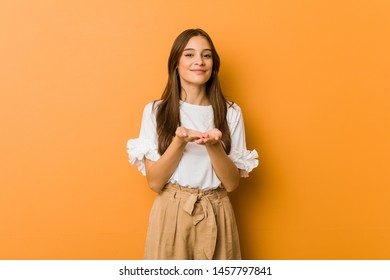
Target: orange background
{"x": 312, "y": 78}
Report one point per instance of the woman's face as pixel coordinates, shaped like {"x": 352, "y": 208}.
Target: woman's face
{"x": 196, "y": 63}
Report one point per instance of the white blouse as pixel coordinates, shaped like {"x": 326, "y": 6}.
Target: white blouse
{"x": 194, "y": 169}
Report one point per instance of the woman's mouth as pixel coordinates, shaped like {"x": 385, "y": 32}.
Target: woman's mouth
{"x": 198, "y": 71}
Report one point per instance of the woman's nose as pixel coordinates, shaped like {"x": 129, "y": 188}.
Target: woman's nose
{"x": 199, "y": 60}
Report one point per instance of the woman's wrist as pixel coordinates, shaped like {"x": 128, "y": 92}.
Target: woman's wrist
{"x": 179, "y": 140}
{"x": 213, "y": 144}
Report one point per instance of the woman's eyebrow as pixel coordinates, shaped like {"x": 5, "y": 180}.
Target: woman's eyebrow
{"x": 192, "y": 49}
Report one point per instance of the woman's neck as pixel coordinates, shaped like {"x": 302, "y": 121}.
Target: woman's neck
{"x": 194, "y": 95}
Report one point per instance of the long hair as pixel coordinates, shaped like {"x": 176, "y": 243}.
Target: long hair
{"x": 168, "y": 111}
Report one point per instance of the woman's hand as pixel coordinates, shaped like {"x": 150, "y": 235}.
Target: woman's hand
{"x": 212, "y": 137}
{"x": 209, "y": 138}
{"x": 189, "y": 135}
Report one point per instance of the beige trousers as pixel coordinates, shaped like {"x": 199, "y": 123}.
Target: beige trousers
{"x": 190, "y": 224}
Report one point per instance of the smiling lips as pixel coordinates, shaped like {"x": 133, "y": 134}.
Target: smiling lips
{"x": 198, "y": 71}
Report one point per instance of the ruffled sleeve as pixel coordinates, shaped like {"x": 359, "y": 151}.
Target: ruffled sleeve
{"x": 138, "y": 149}
{"x": 146, "y": 145}
{"x": 245, "y": 160}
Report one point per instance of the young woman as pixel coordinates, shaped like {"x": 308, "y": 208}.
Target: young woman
{"x": 192, "y": 150}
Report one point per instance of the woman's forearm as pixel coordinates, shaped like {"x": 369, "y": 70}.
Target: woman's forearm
{"x": 223, "y": 166}
{"x": 159, "y": 172}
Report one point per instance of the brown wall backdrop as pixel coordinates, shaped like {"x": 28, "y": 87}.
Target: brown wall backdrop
{"x": 312, "y": 78}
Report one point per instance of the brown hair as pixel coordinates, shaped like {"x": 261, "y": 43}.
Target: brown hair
{"x": 168, "y": 111}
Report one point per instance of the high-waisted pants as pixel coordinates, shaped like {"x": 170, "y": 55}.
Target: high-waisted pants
{"x": 191, "y": 224}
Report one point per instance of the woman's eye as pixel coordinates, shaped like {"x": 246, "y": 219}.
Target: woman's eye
{"x": 188, "y": 54}
{"x": 207, "y": 55}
